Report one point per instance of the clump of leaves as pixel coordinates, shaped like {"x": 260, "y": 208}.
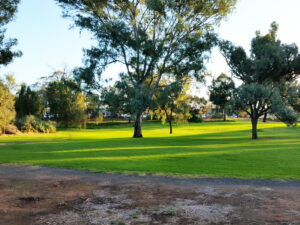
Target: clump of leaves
{"x": 32, "y": 124}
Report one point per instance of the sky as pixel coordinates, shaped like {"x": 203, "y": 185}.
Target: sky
{"x": 49, "y": 43}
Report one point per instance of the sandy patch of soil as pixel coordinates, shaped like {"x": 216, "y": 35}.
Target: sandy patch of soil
{"x": 48, "y": 199}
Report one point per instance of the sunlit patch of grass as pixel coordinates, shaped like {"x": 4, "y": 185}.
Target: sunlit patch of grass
{"x": 207, "y": 149}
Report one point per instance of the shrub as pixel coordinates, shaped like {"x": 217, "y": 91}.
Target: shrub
{"x": 195, "y": 118}
{"x": 11, "y": 129}
{"x": 100, "y": 119}
{"x": 33, "y": 124}
{"x": 217, "y": 116}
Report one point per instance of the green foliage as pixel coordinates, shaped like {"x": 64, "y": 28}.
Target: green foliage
{"x": 270, "y": 60}
{"x": 198, "y": 106}
{"x": 8, "y": 9}
{"x": 112, "y": 99}
{"x": 296, "y": 103}
{"x": 171, "y": 102}
{"x": 282, "y": 109}
{"x": 120, "y": 98}
{"x": 92, "y": 105}
{"x": 258, "y": 99}
{"x": 66, "y": 102}
{"x": 221, "y": 91}
{"x": 145, "y": 37}
{"x": 217, "y": 115}
{"x": 7, "y": 109}
{"x": 32, "y": 124}
{"x": 28, "y": 102}
{"x": 266, "y": 74}
{"x": 194, "y": 118}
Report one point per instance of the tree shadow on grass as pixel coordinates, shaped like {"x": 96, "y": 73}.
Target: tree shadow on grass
{"x": 231, "y": 153}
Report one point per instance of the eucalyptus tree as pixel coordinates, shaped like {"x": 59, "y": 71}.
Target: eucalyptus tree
{"x": 8, "y": 9}
{"x": 266, "y": 76}
{"x": 171, "y": 102}
{"x": 151, "y": 38}
{"x": 7, "y": 109}
{"x": 221, "y": 91}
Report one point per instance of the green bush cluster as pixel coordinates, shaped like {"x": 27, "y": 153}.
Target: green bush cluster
{"x": 32, "y": 124}
{"x": 195, "y": 118}
{"x": 217, "y": 116}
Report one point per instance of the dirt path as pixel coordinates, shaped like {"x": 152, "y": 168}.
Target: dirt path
{"x": 46, "y": 196}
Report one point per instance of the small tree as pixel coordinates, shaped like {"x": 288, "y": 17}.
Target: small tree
{"x": 171, "y": 102}
{"x": 7, "y": 109}
{"x": 28, "y": 102}
{"x": 257, "y": 99}
{"x": 221, "y": 91}
{"x": 92, "y": 105}
{"x": 66, "y": 102}
{"x": 198, "y": 107}
{"x": 266, "y": 75}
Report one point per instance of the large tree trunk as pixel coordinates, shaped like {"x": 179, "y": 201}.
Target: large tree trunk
{"x": 265, "y": 117}
{"x": 171, "y": 128}
{"x": 138, "y": 126}
{"x": 170, "y": 123}
{"x": 254, "y": 127}
{"x": 224, "y": 111}
{"x": 169, "y": 118}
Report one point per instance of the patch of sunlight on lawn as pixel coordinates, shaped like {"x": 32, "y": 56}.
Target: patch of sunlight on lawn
{"x": 157, "y": 156}
{"x": 214, "y": 148}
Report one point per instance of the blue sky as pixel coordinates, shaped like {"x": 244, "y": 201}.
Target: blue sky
{"x": 48, "y": 43}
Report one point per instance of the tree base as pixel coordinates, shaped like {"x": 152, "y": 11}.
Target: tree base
{"x": 137, "y": 136}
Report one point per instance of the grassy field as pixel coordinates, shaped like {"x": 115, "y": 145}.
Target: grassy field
{"x": 214, "y": 149}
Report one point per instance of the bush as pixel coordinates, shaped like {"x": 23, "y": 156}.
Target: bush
{"x": 33, "y": 124}
{"x": 11, "y": 129}
{"x": 195, "y": 118}
{"x": 217, "y": 116}
{"x": 100, "y": 119}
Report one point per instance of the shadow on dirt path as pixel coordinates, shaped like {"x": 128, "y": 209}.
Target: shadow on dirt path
{"x": 31, "y": 195}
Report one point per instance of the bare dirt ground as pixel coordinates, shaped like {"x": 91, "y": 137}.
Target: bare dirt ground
{"x": 46, "y": 196}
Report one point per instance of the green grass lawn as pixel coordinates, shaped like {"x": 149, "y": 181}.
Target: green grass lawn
{"x": 207, "y": 149}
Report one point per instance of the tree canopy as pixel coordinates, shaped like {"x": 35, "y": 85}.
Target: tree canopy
{"x": 150, "y": 38}
{"x": 66, "y": 102}
{"x": 266, "y": 74}
{"x": 171, "y": 102}
{"x": 270, "y": 60}
{"x": 221, "y": 91}
{"x": 8, "y": 9}
{"x": 7, "y": 109}
{"x": 28, "y": 102}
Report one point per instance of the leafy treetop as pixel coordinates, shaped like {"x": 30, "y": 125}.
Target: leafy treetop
{"x": 151, "y": 38}
{"x": 8, "y": 9}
